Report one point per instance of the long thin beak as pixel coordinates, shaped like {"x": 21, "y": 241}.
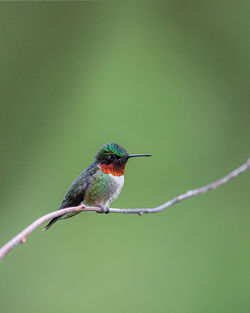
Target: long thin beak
{"x": 139, "y": 155}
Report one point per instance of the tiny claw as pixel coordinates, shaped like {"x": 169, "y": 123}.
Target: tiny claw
{"x": 102, "y": 211}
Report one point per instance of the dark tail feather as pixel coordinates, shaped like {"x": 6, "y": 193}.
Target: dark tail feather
{"x": 52, "y": 222}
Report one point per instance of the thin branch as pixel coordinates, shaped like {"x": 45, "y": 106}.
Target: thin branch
{"x": 21, "y": 237}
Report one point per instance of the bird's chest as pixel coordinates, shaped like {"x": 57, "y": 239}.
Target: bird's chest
{"x": 116, "y": 185}
{"x": 104, "y": 189}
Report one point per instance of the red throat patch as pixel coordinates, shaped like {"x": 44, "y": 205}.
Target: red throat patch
{"x": 113, "y": 169}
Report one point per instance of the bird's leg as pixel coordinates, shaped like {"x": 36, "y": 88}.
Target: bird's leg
{"x": 104, "y": 210}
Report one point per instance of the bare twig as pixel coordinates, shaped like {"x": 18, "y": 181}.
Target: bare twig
{"x": 21, "y": 237}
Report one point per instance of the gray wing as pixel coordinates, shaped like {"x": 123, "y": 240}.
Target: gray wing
{"x": 76, "y": 192}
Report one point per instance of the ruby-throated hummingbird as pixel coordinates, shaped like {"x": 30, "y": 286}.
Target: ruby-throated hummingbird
{"x": 100, "y": 183}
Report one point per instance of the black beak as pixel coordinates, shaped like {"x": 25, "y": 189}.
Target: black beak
{"x": 138, "y": 155}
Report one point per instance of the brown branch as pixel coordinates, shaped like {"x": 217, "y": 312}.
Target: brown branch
{"x": 21, "y": 237}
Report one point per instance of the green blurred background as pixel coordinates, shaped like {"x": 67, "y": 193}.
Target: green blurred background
{"x": 171, "y": 80}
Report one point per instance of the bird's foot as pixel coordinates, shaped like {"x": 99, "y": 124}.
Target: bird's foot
{"x": 104, "y": 210}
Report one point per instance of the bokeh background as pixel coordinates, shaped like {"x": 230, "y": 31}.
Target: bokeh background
{"x": 171, "y": 80}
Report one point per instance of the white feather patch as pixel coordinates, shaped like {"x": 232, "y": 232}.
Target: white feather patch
{"x": 119, "y": 181}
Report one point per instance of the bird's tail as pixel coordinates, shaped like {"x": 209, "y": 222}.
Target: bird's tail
{"x": 52, "y": 222}
{"x": 67, "y": 215}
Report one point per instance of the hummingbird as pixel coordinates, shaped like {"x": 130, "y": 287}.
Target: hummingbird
{"x": 100, "y": 183}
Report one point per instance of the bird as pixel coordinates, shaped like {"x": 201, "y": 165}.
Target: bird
{"x": 100, "y": 183}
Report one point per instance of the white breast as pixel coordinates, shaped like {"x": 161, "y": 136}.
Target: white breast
{"x": 118, "y": 182}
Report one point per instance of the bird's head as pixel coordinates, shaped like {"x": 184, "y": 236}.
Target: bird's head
{"x": 113, "y": 158}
